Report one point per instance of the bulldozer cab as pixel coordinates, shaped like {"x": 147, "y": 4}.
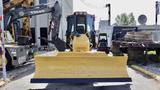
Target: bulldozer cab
{"x": 80, "y": 23}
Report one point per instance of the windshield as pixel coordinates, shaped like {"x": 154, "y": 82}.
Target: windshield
{"x": 81, "y": 24}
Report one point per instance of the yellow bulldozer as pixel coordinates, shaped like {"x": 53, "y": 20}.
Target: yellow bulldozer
{"x": 80, "y": 62}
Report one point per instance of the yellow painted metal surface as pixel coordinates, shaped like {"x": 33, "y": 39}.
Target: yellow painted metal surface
{"x": 13, "y": 31}
{"x": 26, "y": 26}
{"x": 80, "y": 65}
{"x": 1, "y": 61}
{"x": 14, "y": 3}
{"x": 81, "y": 43}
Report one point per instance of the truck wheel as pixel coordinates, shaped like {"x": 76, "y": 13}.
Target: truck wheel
{"x": 136, "y": 56}
{"x": 158, "y": 55}
{"x": 9, "y": 65}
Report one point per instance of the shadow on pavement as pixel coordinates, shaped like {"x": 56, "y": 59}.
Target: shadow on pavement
{"x": 20, "y": 72}
{"x": 84, "y": 87}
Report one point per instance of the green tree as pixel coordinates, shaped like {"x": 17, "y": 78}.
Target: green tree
{"x": 125, "y": 20}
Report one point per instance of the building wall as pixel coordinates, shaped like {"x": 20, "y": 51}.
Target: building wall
{"x": 43, "y": 22}
{"x": 43, "y": 18}
{"x": 67, "y": 9}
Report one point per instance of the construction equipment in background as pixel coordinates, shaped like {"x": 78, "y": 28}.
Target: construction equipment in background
{"x": 22, "y": 12}
{"x": 118, "y": 33}
{"x": 136, "y": 43}
{"x": 18, "y": 54}
{"x": 26, "y": 20}
{"x": 15, "y": 54}
{"x": 103, "y": 43}
{"x": 81, "y": 63}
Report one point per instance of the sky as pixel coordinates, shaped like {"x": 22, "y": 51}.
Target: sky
{"x": 138, "y": 7}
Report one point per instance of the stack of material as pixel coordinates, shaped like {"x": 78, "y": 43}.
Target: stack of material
{"x": 138, "y": 36}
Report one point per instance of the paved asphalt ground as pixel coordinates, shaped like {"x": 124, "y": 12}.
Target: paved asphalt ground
{"x": 22, "y": 82}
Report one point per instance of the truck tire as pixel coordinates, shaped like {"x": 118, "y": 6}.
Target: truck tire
{"x": 9, "y": 65}
{"x": 136, "y": 56}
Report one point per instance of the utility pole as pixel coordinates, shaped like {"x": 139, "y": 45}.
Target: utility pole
{"x": 2, "y": 41}
{"x": 37, "y": 26}
{"x": 109, "y": 13}
{"x": 157, "y": 12}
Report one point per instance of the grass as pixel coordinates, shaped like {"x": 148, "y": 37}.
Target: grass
{"x": 150, "y": 52}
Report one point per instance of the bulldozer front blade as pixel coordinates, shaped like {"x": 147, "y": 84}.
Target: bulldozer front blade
{"x": 80, "y": 67}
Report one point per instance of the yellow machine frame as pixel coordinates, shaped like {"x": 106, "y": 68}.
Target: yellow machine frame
{"x": 80, "y": 65}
